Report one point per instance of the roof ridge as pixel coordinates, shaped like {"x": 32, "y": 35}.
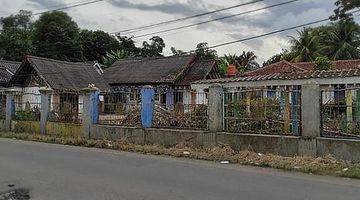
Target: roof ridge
{"x": 59, "y": 61}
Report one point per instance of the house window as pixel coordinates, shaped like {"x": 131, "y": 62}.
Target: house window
{"x": 69, "y": 103}
{"x": 178, "y": 97}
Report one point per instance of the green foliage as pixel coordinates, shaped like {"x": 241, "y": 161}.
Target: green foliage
{"x": 22, "y": 20}
{"x": 96, "y": 44}
{"x": 323, "y": 63}
{"x": 177, "y": 52}
{"x": 57, "y": 36}
{"x": 154, "y": 48}
{"x": 28, "y": 114}
{"x": 342, "y": 7}
{"x": 15, "y": 44}
{"x": 113, "y": 56}
{"x": 245, "y": 62}
{"x": 16, "y": 36}
{"x": 337, "y": 41}
{"x": 204, "y": 52}
{"x": 342, "y": 42}
{"x": 305, "y": 47}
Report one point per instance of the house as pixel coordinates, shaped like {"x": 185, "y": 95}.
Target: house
{"x": 66, "y": 79}
{"x": 170, "y": 76}
{"x": 7, "y": 71}
{"x": 282, "y": 81}
{"x": 284, "y": 73}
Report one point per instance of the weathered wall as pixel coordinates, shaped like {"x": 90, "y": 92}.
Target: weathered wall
{"x": 165, "y": 137}
{"x": 52, "y": 128}
{"x": 32, "y": 127}
{"x": 281, "y": 145}
{"x": 339, "y": 148}
{"x": 64, "y": 129}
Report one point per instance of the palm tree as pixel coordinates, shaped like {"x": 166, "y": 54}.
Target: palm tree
{"x": 306, "y": 47}
{"x": 113, "y": 56}
{"x": 247, "y": 61}
{"x": 343, "y": 41}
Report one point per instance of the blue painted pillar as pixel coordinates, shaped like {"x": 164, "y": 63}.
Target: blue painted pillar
{"x": 94, "y": 100}
{"x": 295, "y": 94}
{"x": 10, "y": 109}
{"x": 90, "y": 110}
{"x": 170, "y": 98}
{"x": 147, "y": 106}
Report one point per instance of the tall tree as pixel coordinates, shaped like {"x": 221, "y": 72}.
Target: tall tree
{"x": 57, "y": 36}
{"x": 342, "y": 7}
{"x": 96, "y": 44}
{"x": 177, "y": 52}
{"x": 305, "y": 47}
{"x": 22, "y": 20}
{"x": 342, "y": 42}
{"x": 16, "y": 36}
{"x": 128, "y": 44}
{"x": 247, "y": 61}
{"x": 111, "y": 57}
{"x": 283, "y": 55}
{"x": 204, "y": 52}
{"x": 154, "y": 48}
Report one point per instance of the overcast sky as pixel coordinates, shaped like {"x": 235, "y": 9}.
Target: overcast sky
{"x": 116, "y": 15}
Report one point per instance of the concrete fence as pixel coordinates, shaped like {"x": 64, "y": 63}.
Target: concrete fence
{"x": 309, "y": 143}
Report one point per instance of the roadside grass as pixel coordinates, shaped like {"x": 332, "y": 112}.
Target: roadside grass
{"x": 320, "y": 166}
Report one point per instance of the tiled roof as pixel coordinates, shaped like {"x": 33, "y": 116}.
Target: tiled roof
{"x": 147, "y": 70}
{"x": 7, "y": 69}
{"x": 60, "y": 75}
{"x": 289, "y": 76}
{"x": 291, "y": 71}
{"x": 199, "y": 71}
{"x": 177, "y": 70}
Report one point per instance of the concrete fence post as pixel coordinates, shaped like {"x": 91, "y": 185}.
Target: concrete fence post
{"x": 216, "y": 108}
{"x": 45, "y": 108}
{"x": 147, "y": 106}
{"x": 90, "y": 114}
{"x": 310, "y": 118}
{"x": 10, "y": 108}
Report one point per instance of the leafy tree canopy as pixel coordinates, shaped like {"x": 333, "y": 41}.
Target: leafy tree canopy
{"x": 343, "y": 6}
{"x": 323, "y": 63}
{"x": 96, "y": 44}
{"x": 154, "y": 48}
{"x": 57, "y": 36}
{"x": 22, "y": 20}
{"x": 204, "y": 52}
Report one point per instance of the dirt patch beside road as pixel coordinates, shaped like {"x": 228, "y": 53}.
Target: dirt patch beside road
{"x": 15, "y": 194}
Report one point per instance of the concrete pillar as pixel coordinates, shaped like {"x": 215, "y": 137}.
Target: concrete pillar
{"x": 45, "y": 108}
{"x": 170, "y": 98}
{"x": 294, "y": 110}
{"x": 216, "y": 108}
{"x": 147, "y": 106}
{"x": 90, "y": 114}
{"x": 310, "y": 118}
{"x": 10, "y": 108}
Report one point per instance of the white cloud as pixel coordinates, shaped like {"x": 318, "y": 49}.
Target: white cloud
{"x": 133, "y": 13}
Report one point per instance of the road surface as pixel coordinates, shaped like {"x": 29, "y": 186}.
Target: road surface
{"x": 63, "y": 172}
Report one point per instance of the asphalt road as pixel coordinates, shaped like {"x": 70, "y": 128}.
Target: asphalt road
{"x": 63, "y": 172}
